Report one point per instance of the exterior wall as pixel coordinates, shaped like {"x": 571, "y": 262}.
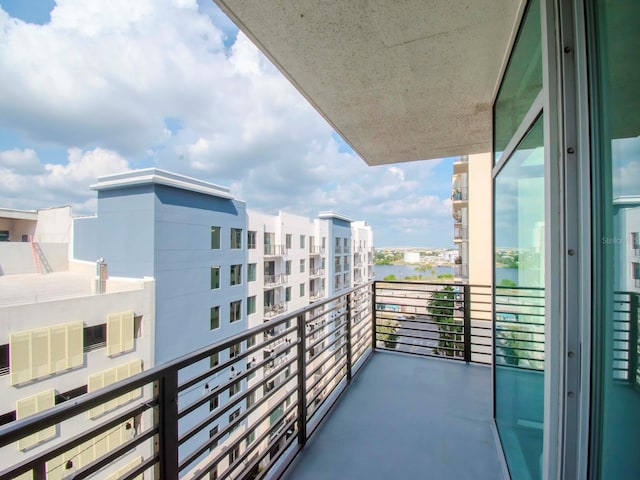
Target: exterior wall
{"x": 18, "y": 257}
{"x": 338, "y": 229}
{"x": 625, "y": 222}
{"x": 91, "y": 310}
{"x": 54, "y": 225}
{"x": 85, "y": 239}
{"x": 17, "y": 227}
{"x": 479, "y": 219}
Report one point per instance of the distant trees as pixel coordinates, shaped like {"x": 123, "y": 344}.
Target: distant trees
{"x": 441, "y": 308}
{"x": 386, "y": 330}
{"x": 389, "y": 278}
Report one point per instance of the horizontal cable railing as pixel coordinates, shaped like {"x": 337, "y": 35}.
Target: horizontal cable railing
{"x": 434, "y": 319}
{"x": 240, "y": 408}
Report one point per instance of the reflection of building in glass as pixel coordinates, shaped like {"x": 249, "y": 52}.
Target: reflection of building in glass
{"x": 626, "y": 242}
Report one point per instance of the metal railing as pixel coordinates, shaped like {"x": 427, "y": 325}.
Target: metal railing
{"x": 243, "y": 407}
{"x": 275, "y": 250}
{"x": 274, "y": 280}
{"x": 242, "y": 417}
{"x": 459, "y": 194}
{"x": 316, "y": 272}
{"x": 461, "y": 270}
{"x": 316, "y": 250}
{"x": 271, "y": 311}
{"x": 460, "y": 232}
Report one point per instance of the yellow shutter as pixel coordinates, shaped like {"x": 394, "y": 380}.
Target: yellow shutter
{"x": 58, "y": 347}
{"x": 26, "y": 476}
{"x": 46, "y": 400}
{"x": 75, "y": 344}
{"x": 101, "y": 445}
{"x": 114, "y": 334}
{"x": 127, "y": 331}
{"x": 87, "y": 454}
{"x": 135, "y": 367}
{"x": 40, "y": 353}
{"x": 110, "y": 376}
{"x": 20, "y": 357}
{"x": 95, "y": 382}
{"x": 122, "y": 372}
{"x": 26, "y": 407}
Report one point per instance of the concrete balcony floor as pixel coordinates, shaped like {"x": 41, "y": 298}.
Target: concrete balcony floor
{"x": 407, "y": 417}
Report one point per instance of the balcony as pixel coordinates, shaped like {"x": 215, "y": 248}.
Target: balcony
{"x": 425, "y": 416}
{"x": 316, "y": 272}
{"x": 316, "y": 294}
{"x": 271, "y": 311}
{"x": 315, "y": 250}
{"x": 461, "y": 271}
{"x": 271, "y": 281}
{"x": 460, "y": 233}
{"x": 459, "y": 195}
{"x": 274, "y": 250}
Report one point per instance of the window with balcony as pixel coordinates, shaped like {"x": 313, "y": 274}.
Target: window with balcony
{"x": 235, "y": 414}
{"x": 234, "y": 350}
{"x": 288, "y": 239}
{"x": 302, "y": 266}
{"x": 302, "y": 241}
{"x": 214, "y": 318}
{"x": 235, "y": 313}
{"x": 251, "y": 305}
{"x": 4, "y": 360}
{"x": 251, "y": 272}
{"x": 234, "y": 389}
{"x": 251, "y": 239}
{"x": 215, "y": 238}
{"x": 236, "y": 238}
{"x": 94, "y": 337}
{"x": 235, "y": 275}
{"x": 215, "y": 278}
{"x": 234, "y": 454}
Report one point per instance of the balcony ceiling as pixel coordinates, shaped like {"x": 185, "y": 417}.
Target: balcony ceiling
{"x": 400, "y": 81}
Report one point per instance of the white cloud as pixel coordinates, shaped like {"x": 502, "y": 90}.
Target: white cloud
{"x": 153, "y": 82}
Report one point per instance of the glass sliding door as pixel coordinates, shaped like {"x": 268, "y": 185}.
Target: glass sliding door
{"x": 519, "y": 244}
{"x": 615, "y": 132}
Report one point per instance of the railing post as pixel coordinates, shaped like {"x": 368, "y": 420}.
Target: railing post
{"x": 633, "y": 338}
{"x": 373, "y": 316}
{"x": 168, "y": 425}
{"x": 302, "y": 375}
{"x": 348, "y": 335}
{"x": 467, "y": 323}
{"x": 40, "y": 472}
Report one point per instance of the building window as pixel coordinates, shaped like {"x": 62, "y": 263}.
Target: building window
{"x": 250, "y": 438}
{"x": 251, "y": 239}
{"x": 287, "y": 267}
{"x": 236, "y": 238}
{"x": 302, "y": 289}
{"x": 287, "y": 294}
{"x": 215, "y": 278}
{"x": 214, "y": 318}
{"x": 337, "y": 264}
{"x": 234, "y": 389}
{"x": 4, "y": 359}
{"x": 234, "y": 350}
{"x": 236, "y": 275}
{"x": 635, "y": 267}
{"x": 251, "y": 341}
{"x": 336, "y": 283}
{"x": 345, "y": 262}
{"x": 235, "y": 414}
{"x": 635, "y": 243}
{"x": 94, "y": 337}
{"x": 251, "y": 272}
{"x": 302, "y": 266}
{"x": 213, "y": 403}
{"x": 251, "y": 399}
{"x": 212, "y": 433}
{"x": 345, "y": 242}
{"x": 324, "y": 243}
{"x": 302, "y": 239}
{"x": 251, "y": 305}
{"x": 215, "y": 238}
{"x": 288, "y": 241}
{"x": 233, "y": 454}
{"x": 234, "y": 311}
{"x": 213, "y": 360}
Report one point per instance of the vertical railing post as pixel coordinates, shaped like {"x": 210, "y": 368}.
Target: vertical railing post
{"x": 373, "y": 316}
{"x": 633, "y": 338}
{"x": 40, "y": 472}
{"x": 349, "y": 299}
{"x": 302, "y": 384}
{"x": 168, "y": 425}
{"x": 467, "y": 322}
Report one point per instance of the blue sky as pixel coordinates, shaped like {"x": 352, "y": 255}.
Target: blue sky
{"x": 92, "y": 88}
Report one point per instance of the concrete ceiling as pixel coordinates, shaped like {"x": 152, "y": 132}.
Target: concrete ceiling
{"x": 398, "y": 80}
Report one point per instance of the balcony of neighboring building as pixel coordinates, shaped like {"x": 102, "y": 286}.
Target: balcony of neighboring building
{"x": 274, "y": 251}
{"x": 320, "y": 384}
{"x": 460, "y": 233}
{"x": 316, "y": 273}
{"x": 459, "y": 195}
{"x": 315, "y": 250}
{"x": 461, "y": 164}
{"x": 274, "y": 280}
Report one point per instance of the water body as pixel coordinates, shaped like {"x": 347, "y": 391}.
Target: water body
{"x": 401, "y": 271}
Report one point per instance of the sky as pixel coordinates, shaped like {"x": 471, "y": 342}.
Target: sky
{"x": 90, "y": 88}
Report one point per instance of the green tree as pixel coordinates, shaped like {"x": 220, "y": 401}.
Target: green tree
{"x": 426, "y": 268}
{"x": 386, "y": 330}
{"x": 441, "y": 307}
{"x": 389, "y": 278}
{"x": 505, "y": 282}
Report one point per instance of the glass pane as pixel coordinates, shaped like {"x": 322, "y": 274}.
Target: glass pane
{"x": 522, "y": 80}
{"x": 519, "y": 305}
{"x": 616, "y": 388}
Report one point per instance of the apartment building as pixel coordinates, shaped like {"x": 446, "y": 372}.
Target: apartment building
{"x": 169, "y": 264}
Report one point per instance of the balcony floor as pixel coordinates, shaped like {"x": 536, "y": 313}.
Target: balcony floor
{"x": 407, "y": 417}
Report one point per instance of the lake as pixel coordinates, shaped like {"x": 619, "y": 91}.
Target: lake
{"x": 401, "y": 271}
